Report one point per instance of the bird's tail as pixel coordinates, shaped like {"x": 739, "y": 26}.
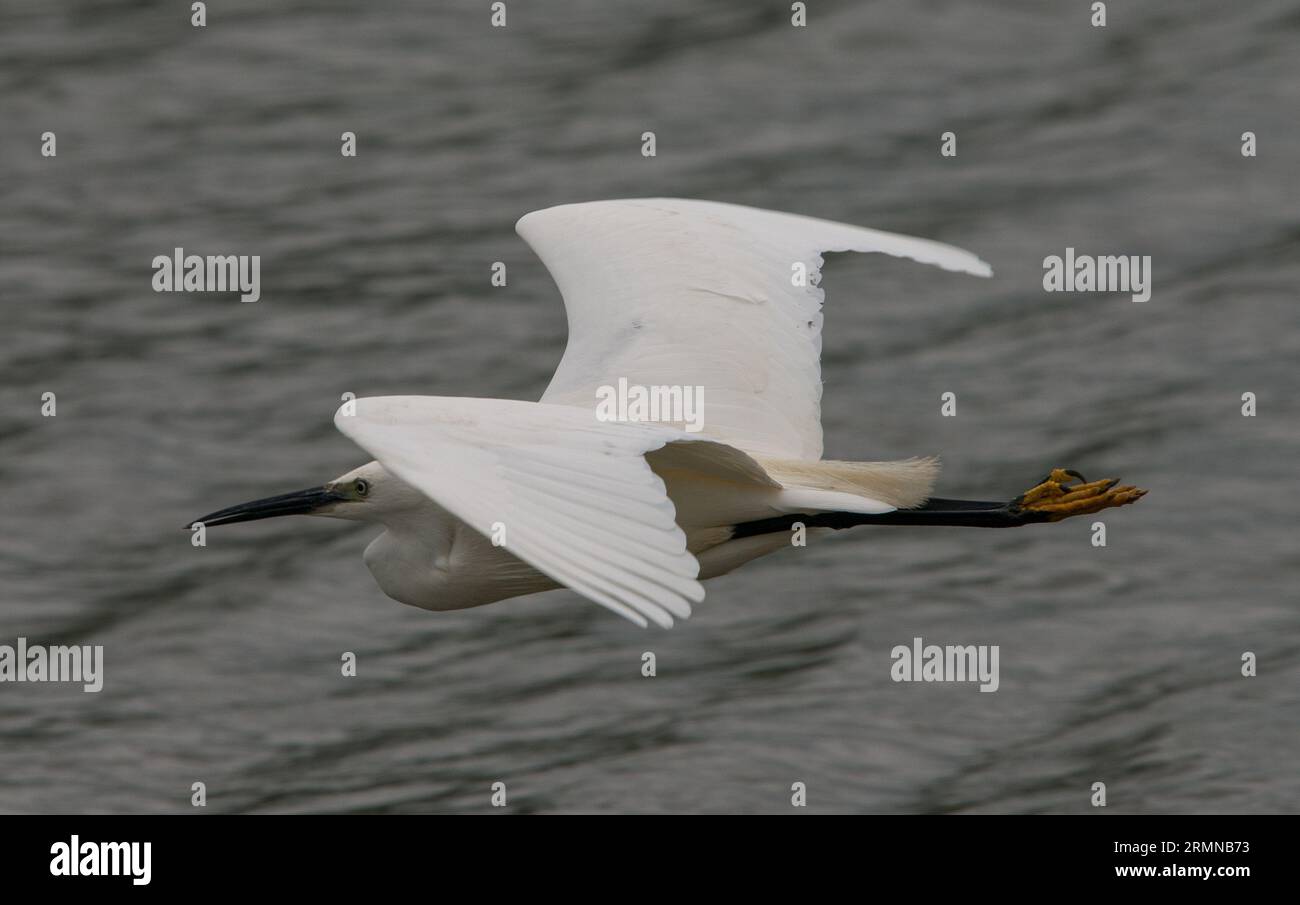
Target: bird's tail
{"x": 902, "y": 484}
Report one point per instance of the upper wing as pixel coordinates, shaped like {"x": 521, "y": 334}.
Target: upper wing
{"x": 575, "y": 495}
{"x": 663, "y": 291}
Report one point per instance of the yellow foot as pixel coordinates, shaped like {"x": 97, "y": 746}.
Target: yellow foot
{"x": 1057, "y": 498}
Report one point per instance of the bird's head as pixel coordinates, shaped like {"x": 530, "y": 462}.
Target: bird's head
{"x": 365, "y": 494}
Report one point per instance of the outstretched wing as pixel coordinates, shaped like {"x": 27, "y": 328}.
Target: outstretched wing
{"x": 668, "y": 292}
{"x": 575, "y": 496}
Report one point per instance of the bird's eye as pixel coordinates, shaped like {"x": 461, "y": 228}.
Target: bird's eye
{"x": 362, "y": 487}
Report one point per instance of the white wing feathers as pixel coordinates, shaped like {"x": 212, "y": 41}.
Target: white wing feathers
{"x": 668, "y": 292}
{"x": 576, "y": 497}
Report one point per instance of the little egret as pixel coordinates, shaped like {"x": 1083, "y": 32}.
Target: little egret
{"x": 486, "y": 499}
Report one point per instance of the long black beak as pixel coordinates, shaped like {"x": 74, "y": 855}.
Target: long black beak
{"x": 300, "y": 502}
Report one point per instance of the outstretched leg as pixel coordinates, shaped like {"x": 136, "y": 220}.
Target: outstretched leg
{"x": 1052, "y": 499}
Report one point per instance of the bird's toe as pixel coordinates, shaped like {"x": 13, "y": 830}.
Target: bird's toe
{"x": 1065, "y": 492}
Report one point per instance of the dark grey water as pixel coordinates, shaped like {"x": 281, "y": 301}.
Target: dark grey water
{"x": 1118, "y": 664}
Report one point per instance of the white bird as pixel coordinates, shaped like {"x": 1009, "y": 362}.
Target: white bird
{"x": 486, "y": 499}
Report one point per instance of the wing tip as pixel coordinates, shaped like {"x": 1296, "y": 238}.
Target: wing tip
{"x": 521, "y": 225}
{"x": 951, "y": 258}
{"x": 676, "y": 605}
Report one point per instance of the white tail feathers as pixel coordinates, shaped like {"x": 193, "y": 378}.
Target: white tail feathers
{"x": 903, "y": 484}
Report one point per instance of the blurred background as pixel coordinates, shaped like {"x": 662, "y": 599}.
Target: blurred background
{"x": 1118, "y": 664}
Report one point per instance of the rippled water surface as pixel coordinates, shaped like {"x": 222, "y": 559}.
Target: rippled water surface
{"x": 1118, "y": 664}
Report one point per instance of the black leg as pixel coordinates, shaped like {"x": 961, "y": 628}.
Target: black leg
{"x": 936, "y": 512}
{"x": 1056, "y": 497}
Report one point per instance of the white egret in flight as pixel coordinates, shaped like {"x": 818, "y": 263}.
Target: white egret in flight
{"x": 485, "y": 499}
